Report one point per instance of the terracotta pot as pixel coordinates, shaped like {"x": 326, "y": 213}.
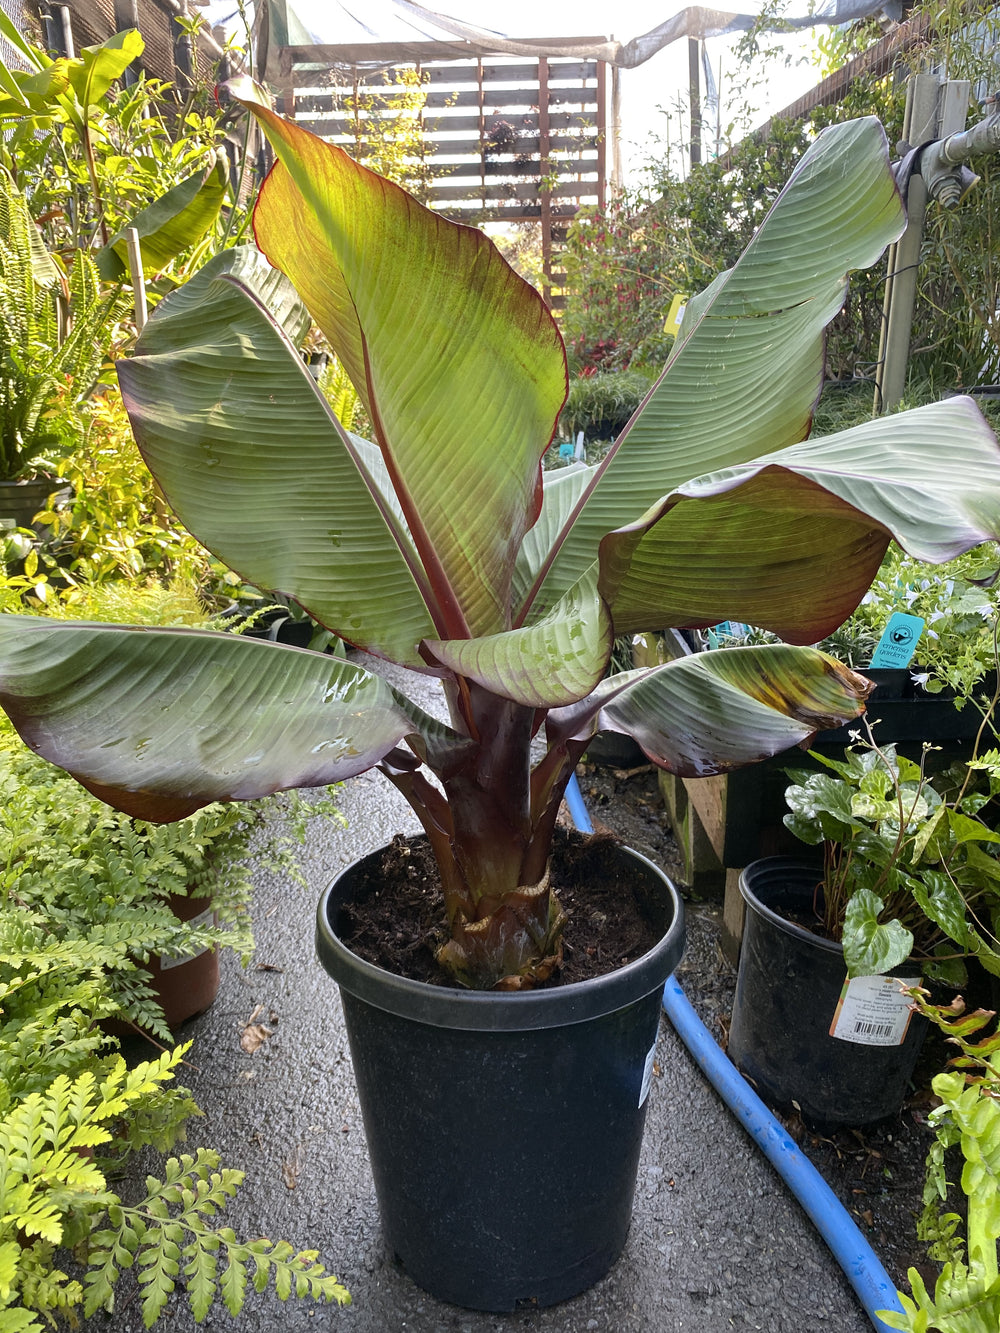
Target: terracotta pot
{"x": 186, "y": 987}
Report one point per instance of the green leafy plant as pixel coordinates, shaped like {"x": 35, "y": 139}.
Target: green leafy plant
{"x": 115, "y": 526}
{"x": 601, "y": 404}
{"x": 95, "y": 875}
{"x": 958, "y": 603}
{"x": 105, "y": 159}
{"x": 910, "y": 866}
{"x": 82, "y": 904}
{"x": 55, "y": 1199}
{"x": 441, "y": 545}
{"x": 52, "y": 341}
{"x": 966, "y": 1295}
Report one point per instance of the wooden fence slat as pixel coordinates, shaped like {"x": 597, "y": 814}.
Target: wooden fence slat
{"x": 582, "y": 127}
{"x": 494, "y": 132}
{"x": 451, "y": 172}
{"x": 402, "y": 53}
{"x": 576, "y": 70}
{"x": 443, "y": 99}
{"x": 581, "y": 144}
{"x": 516, "y": 190}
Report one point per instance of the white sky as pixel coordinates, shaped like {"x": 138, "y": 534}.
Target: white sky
{"x": 660, "y": 83}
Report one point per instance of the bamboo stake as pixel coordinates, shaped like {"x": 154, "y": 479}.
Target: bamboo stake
{"x": 138, "y": 282}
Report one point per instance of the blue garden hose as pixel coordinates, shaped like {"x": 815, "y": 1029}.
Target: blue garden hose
{"x": 874, "y": 1288}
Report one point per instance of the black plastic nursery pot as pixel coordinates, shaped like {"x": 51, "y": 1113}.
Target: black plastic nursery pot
{"x": 504, "y": 1129}
{"x": 789, "y": 999}
{"x": 20, "y": 501}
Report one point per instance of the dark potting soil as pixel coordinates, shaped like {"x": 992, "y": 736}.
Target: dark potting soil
{"x": 397, "y": 918}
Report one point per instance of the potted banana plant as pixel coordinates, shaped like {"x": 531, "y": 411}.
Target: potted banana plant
{"x": 504, "y": 1110}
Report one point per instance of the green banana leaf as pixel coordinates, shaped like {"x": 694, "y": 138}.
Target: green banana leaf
{"x": 191, "y": 716}
{"x": 439, "y": 545}
{"x": 169, "y": 225}
{"x": 97, "y": 67}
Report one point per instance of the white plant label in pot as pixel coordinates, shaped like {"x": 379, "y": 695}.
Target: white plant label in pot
{"x": 202, "y": 919}
{"x": 647, "y": 1074}
{"x": 873, "y": 1011}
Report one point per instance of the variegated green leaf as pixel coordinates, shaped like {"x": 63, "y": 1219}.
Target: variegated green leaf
{"x": 872, "y": 948}
{"x": 714, "y": 711}
{"x": 160, "y": 722}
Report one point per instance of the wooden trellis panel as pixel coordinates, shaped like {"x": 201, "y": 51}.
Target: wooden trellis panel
{"x": 511, "y": 139}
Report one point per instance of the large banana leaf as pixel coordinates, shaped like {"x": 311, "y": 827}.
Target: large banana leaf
{"x": 832, "y": 503}
{"x": 458, "y": 361}
{"x": 159, "y": 722}
{"x": 749, "y": 366}
{"x": 249, "y": 454}
{"x": 170, "y": 224}
{"x": 554, "y": 661}
{"x": 711, "y": 712}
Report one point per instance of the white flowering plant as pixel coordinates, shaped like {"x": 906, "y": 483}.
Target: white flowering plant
{"x": 959, "y": 603}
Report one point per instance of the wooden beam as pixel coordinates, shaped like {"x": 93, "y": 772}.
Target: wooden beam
{"x": 405, "y": 53}
{"x": 444, "y": 99}
{"x": 578, "y": 123}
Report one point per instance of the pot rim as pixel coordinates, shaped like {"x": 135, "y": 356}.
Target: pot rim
{"x": 439, "y": 1006}
{"x": 788, "y": 870}
{"x": 790, "y": 867}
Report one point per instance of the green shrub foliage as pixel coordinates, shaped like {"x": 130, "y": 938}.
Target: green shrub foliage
{"x": 627, "y": 262}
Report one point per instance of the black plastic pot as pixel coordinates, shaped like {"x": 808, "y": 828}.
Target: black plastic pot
{"x": 787, "y": 992}
{"x": 613, "y": 749}
{"x": 20, "y": 501}
{"x": 275, "y": 625}
{"x": 504, "y": 1129}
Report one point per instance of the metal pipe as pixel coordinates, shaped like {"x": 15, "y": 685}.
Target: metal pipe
{"x": 183, "y": 50}
{"x": 919, "y": 127}
{"x": 66, "y": 24}
{"x": 694, "y": 99}
{"x": 941, "y": 163}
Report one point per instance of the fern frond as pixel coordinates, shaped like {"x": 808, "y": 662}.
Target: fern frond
{"x": 18, "y": 1320}
{"x": 167, "y": 1236}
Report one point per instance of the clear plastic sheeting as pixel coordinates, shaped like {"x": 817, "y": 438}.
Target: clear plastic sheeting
{"x": 404, "y": 20}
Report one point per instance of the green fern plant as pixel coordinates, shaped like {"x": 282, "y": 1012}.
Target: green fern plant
{"x": 53, "y": 336}
{"x": 966, "y": 1296}
{"x": 70, "y": 1110}
{"x": 101, "y": 882}
{"x": 54, "y": 1198}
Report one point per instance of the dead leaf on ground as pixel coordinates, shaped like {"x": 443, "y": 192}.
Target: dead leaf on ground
{"x": 291, "y": 1167}
{"x": 268, "y": 967}
{"x": 254, "y": 1034}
